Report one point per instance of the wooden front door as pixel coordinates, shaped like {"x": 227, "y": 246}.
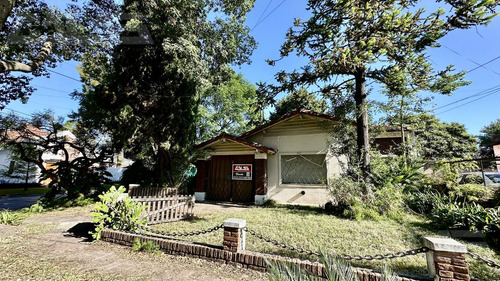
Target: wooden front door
{"x": 221, "y": 187}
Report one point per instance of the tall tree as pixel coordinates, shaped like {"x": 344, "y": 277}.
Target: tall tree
{"x": 146, "y": 95}
{"x": 379, "y": 40}
{"x": 228, "y": 108}
{"x": 35, "y": 36}
{"x": 440, "y": 140}
{"x": 297, "y": 100}
{"x": 487, "y": 134}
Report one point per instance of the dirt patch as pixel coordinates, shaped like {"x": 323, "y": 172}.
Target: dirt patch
{"x": 218, "y": 208}
{"x": 42, "y": 249}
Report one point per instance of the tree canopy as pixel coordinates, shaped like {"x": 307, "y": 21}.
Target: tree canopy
{"x": 35, "y": 37}
{"x": 227, "y": 108}
{"x": 382, "y": 41}
{"x": 296, "y": 100}
{"x": 440, "y": 140}
{"x": 146, "y": 95}
{"x": 487, "y": 134}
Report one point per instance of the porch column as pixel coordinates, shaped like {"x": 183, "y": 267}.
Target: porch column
{"x": 201, "y": 179}
{"x": 260, "y": 178}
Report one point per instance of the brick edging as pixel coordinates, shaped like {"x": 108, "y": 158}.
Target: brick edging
{"x": 245, "y": 259}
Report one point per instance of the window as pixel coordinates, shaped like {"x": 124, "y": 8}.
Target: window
{"x": 303, "y": 169}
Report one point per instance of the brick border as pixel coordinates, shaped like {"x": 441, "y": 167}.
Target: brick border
{"x": 245, "y": 259}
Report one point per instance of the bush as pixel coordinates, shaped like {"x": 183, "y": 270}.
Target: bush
{"x": 422, "y": 202}
{"x": 148, "y": 247}
{"x": 471, "y": 192}
{"x": 117, "y": 211}
{"x": 453, "y": 214}
{"x": 491, "y": 227}
{"x": 9, "y": 217}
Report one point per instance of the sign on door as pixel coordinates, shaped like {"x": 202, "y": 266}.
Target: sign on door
{"x": 242, "y": 172}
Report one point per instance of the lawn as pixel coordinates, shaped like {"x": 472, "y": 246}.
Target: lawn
{"x": 21, "y": 191}
{"x": 314, "y": 230}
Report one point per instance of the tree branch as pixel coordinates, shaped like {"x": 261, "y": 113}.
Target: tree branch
{"x": 38, "y": 60}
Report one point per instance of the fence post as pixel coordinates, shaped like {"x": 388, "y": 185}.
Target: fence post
{"x": 234, "y": 235}
{"x": 446, "y": 259}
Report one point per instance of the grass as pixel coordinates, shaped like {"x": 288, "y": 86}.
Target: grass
{"x": 21, "y": 191}
{"x": 311, "y": 229}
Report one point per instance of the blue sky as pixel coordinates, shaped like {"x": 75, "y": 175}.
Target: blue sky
{"x": 466, "y": 49}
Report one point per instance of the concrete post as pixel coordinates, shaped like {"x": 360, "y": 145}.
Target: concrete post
{"x": 234, "y": 235}
{"x": 446, "y": 259}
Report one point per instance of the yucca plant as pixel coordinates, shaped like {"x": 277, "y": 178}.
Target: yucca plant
{"x": 337, "y": 269}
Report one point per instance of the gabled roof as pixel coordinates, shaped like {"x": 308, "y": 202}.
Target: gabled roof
{"x": 224, "y": 137}
{"x": 286, "y": 117}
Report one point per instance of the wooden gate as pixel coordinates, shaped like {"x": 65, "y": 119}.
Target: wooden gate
{"x": 221, "y": 187}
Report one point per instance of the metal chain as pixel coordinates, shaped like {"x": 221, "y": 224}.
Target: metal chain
{"x": 346, "y": 257}
{"x": 282, "y": 245}
{"x": 176, "y": 234}
{"x": 488, "y": 262}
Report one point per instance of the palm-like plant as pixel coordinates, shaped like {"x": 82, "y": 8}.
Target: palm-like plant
{"x": 337, "y": 269}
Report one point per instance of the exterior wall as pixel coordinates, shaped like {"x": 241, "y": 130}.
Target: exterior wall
{"x": 496, "y": 152}
{"x": 292, "y": 137}
{"x": 5, "y": 159}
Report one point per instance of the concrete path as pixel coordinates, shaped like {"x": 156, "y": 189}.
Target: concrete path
{"x": 16, "y": 202}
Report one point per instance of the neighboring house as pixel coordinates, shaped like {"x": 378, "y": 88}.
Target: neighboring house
{"x": 7, "y": 161}
{"x": 496, "y": 150}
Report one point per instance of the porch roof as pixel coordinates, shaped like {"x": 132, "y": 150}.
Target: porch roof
{"x": 226, "y": 137}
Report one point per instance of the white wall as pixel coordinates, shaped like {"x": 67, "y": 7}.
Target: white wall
{"x": 312, "y": 143}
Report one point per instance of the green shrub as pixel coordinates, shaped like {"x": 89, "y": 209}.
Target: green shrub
{"x": 453, "y": 214}
{"x": 422, "y": 202}
{"x": 117, "y": 211}
{"x": 9, "y": 217}
{"x": 491, "y": 228}
{"x": 471, "y": 192}
{"x": 148, "y": 247}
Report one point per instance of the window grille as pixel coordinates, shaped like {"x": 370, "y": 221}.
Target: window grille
{"x": 303, "y": 169}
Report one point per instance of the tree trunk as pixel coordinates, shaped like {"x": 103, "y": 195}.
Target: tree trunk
{"x": 6, "y": 7}
{"x": 363, "y": 141}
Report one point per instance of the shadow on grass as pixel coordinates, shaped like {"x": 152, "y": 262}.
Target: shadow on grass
{"x": 82, "y": 230}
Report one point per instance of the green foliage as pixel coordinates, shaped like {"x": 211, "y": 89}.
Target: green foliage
{"x": 405, "y": 171}
{"x": 146, "y": 95}
{"x": 423, "y": 202}
{"x": 117, "y": 211}
{"x": 491, "y": 229}
{"x": 148, "y": 246}
{"x": 227, "y": 108}
{"x": 337, "y": 269}
{"x": 440, "y": 140}
{"x": 487, "y": 133}
{"x": 300, "y": 99}
{"x": 8, "y": 217}
{"x": 446, "y": 174}
{"x": 471, "y": 192}
{"x": 66, "y": 202}
{"x": 455, "y": 214}
{"x": 79, "y": 28}
{"x": 79, "y": 170}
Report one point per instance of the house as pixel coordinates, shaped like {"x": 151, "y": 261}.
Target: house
{"x": 496, "y": 150}
{"x": 287, "y": 160}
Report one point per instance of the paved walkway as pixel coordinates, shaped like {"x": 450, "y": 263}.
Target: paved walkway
{"x": 16, "y": 202}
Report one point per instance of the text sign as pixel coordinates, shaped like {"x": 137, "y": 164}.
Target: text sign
{"x": 242, "y": 172}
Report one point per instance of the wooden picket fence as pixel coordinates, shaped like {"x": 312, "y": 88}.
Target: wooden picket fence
{"x": 167, "y": 209}
{"x": 139, "y": 191}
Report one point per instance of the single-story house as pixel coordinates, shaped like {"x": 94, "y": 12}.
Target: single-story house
{"x": 496, "y": 150}
{"x": 288, "y": 160}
